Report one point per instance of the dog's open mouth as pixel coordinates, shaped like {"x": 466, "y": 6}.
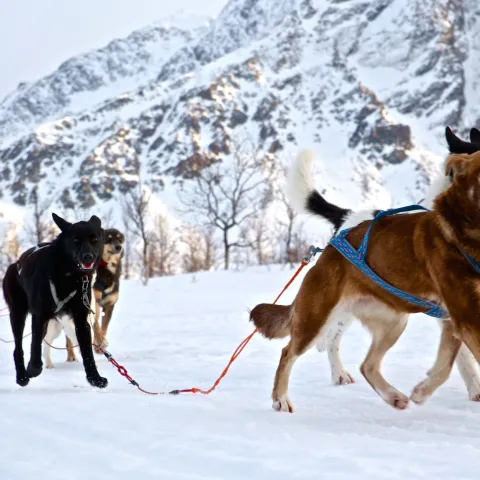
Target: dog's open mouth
{"x": 87, "y": 266}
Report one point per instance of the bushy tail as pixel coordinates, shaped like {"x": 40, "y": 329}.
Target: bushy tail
{"x": 305, "y": 198}
{"x": 272, "y": 321}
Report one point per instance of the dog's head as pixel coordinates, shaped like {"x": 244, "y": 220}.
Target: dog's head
{"x": 462, "y": 199}
{"x": 113, "y": 248}
{"x": 82, "y": 242}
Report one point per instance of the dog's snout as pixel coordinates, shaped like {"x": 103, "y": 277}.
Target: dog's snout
{"x": 87, "y": 257}
{"x": 118, "y": 248}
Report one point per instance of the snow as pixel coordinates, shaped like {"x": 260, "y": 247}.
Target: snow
{"x": 179, "y": 332}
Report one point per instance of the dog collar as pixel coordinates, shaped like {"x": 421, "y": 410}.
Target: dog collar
{"x": 102, "y": 263}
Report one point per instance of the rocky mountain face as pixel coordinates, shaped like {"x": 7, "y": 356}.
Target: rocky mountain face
{"x": 368, "y": 84}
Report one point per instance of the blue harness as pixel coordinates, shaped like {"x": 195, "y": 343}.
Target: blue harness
{"x": 357, "y": 258}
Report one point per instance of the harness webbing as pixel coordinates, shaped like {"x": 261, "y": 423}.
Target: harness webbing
{"x": 357, "y": 258}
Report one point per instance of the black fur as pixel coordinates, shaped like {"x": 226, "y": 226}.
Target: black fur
{"x": 317, "y": 205}
{"x": 475, "y": 135}
{"x": 73, "y": 255}
{"x": 457, "y": 145}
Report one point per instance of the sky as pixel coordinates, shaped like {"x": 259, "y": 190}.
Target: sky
{"x": 38, "y": 35}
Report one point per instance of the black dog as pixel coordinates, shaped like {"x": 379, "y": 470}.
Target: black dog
{"x": 51, "y": 280}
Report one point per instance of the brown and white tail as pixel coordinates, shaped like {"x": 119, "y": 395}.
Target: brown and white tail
{"x": 272, "y": 321}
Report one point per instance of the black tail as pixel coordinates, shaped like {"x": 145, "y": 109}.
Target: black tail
{"x": 304, "y": 197}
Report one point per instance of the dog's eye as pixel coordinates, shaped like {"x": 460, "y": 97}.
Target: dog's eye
{"x": 76, "y": 241}
{"x": 94, "y": 240}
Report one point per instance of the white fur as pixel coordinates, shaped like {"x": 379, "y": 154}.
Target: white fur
{"x": 356, "y": 218}
{"x": 300, "y": 181}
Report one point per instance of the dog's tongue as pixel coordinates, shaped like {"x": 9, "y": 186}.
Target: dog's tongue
{"x": 87, "y": 266}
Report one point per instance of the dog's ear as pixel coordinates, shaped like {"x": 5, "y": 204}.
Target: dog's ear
{"x": 60, "y": 222}
{"x": 475, "y": 136}
{"x": 457, "y": 145}
{"x": 95, "y": 221}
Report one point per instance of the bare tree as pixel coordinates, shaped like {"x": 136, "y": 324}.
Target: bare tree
{"x": 227, "y": 194}
{"x": 135, "y": 210}
{"x": 10, "y": 248}
{"x": 162, "y": 251}
{"x": 127, "y": 247}
{"x": 200, "y": 249}
{"x": 40, "y": 229}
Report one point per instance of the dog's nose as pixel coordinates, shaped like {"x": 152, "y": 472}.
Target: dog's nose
{"x": 87, "y": 258}
{"x": 118, "y": 248}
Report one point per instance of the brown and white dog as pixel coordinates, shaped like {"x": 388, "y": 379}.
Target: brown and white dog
{"x": 305, "y": 198}
{"x": 419, "y": 253}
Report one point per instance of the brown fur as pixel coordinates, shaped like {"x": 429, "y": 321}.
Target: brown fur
{"x": 107, "y": 282}
{"x": 417, "y": 253}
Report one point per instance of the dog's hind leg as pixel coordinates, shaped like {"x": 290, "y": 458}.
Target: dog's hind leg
{"x": 312, "y": 311}
{"x": 447, "y": 351}
{"x": 71, "y": 357}
{"x": 39, "y": 330}
{"x": 18, "y": 305}
{"x": 386, "y": 328}
{"x": 340, "y": 375}
{"x": 54, "y": 329}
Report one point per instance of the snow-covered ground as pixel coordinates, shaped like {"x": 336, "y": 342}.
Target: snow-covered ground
{"x": 179, "y": 332}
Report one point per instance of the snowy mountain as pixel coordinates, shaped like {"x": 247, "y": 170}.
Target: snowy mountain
{"x": 369, "y": 85}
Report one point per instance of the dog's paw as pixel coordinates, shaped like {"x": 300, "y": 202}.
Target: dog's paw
{"x": 420, "y": 393}
{"x": 100, "y": 346}
{"x": 71, "y": 358}
{"x": 49, "y": 365}
{"x": 396, "y": 399}
{"x": 474, "y": 392}
{"x": 283, "y": 404}
{"x": 342, "y": 377}
{"x": 97, "y": 381}
{"x": 22, "y": 380}
{"x": 34, "y": 370}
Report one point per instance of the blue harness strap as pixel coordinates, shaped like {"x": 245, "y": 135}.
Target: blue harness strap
{"x": 357, "y": 258}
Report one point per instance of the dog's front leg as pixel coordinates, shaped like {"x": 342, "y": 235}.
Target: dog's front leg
{"x": 438, "y": 374}
{"x": 39, "y": 330}
{"x": 84, "y": 337}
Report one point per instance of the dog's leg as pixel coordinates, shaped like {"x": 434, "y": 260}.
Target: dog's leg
{"x": 340, "y": 375}
{"x": 54, "y": 329}
{"x": 385, "y": 334}
{"x": 447, "y": 351}
{"x": 71, "y": 357}
{"x": 312, "y": 312}
{"x": 84, "y": 337}
{"x": 107, "y": 316}
{"x": 97, "y": 331}
{"x": 17, "y": 302}
{"x": 69, "y": 327}
{"x": 468, "y": 368}
{"x": 18, "y": 315}
{"x": 39, "y": 329}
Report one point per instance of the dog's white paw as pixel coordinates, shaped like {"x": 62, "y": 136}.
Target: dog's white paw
{"x": 283, "y": 405}
{"x": 342, "y": 377}
{"x": 49, "y": 365}
{"x": 474, "y": 392}
{"x": 420, "y": 393}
